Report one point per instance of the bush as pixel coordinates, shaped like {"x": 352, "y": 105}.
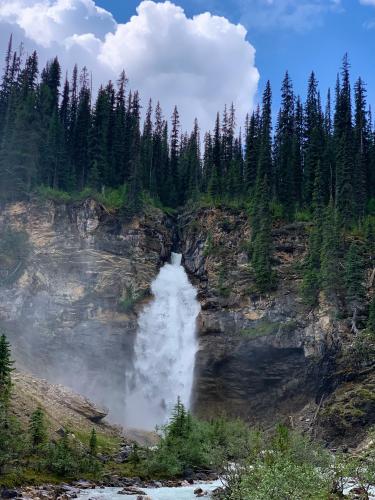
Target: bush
{"x": 129, "y": 299}
{"x": 287, "y": 466}
{"x": 189, "y": 443}
{"x": 67, "y": 459}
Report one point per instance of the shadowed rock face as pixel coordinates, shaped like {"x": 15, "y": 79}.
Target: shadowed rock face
{"x": 64, "y": 313}
{"x": 261, "y": 358}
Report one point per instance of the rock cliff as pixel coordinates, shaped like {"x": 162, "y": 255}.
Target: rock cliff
{"x": 72, "y": 312}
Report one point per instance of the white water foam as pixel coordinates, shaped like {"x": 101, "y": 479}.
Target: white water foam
{"x": 165, "y": 349}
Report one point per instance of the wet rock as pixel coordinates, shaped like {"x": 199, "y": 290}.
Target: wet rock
{"x": 131, "y": 490}
{"x": 8, "y": 493}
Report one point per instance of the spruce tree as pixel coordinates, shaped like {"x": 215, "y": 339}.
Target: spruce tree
{"x": 38, "y": 428}
{"x": 353, "y": 279}
{"x": 344, "y": 147}
{"x": 261, "y": 254}
{"x": 6, "y": 368}
{"x": 284, "y": 141}
{"x": 93, "y": 442}
{"x": 330, "y": 257}
{"x": 371, "y": 318}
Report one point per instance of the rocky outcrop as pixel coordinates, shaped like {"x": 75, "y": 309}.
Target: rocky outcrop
{"x": 64, "y": 409}
{"x": 263, "y": 358}
{"x": 70, "y": 315}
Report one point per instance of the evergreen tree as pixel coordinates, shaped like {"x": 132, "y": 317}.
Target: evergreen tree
{"x": 371, "y": 317}
{"x": 134, "y": 204}
{"x": 353, "y": 278}
{"x": 93, "y": 442}
{"x": 37, "y": 428}
{"x": 344, "y": 148}
{"x": 330, "y": 258}
{"x": 261, "y": 256}
{"x": 252, "y": 131}
{"x": 265, "y": 167}
{"x": 284, "y": 141}
{"x": 6, "y": 368}
{"x": 149, "y": 181}
{"x": 311, "y": 275}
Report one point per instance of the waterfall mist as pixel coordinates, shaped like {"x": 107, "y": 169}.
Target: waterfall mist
{"x": 164, "y": 351}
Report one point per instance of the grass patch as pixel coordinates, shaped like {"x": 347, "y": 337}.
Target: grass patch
{"x": 262, "y": 329}
{"x": 105, "y": 444}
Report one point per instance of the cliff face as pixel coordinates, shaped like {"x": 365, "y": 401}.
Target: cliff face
{"x": 70, "y": 314}
{"x": 263, "y": 358}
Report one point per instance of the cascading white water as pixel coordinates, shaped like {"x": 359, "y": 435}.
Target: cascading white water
{"x": 165, "y": 348}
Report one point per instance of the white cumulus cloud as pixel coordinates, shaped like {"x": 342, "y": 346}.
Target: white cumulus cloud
{"x": 198, "y": 63}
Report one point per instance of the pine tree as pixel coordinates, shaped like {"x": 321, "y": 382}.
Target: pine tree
{"x": 134, "y": 203}
{"x": 284, "y": 141}
{"x": 252, "y": 131}
{"x": 361, "y": 150}
{"x": 265, "y": 167}
{"x": 6, "y": 368}
{"x": 93, "y": 442}
{"x": 38, "y": 428}
{"x": 344, "y": 149}
{"x": 371, "y": 317}
{"x": 149, "y": 181}
{"x": 261, "y": 256}
{"x": 353, "y": 279}
{"x": 311, "y": 276}
{"x": 330, "y": 258}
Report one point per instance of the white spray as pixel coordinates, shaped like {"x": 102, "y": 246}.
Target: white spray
{"x": 165, "y": 349}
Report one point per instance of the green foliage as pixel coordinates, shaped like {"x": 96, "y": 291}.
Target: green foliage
{"x": 187, "y": 443}
{"x": 287, "y": 466}
{"x": 330, "y": 258}
{"x": 371, "y": 318}
{"x": 67, "y": 459}
{"x": 354, "y": 276}
{"x": 93, "y": 443}
{"x": 129, "y": 299}
{"x": 6, "y": 368}
{"x": 12, "y": 442}
{"x": 110, "y": 198}
{"x": 37, "y": 429}
{"x": 223, "y": 290}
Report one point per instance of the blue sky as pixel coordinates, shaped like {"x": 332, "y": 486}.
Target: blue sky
{"x": 315, "y": 42}
{"x": 199, "y": 54}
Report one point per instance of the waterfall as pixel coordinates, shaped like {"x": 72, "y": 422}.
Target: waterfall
{"x": 164, "y": 351}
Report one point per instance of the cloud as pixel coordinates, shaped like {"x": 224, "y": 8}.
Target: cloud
{"x": 198, "y": 63}
{"x": 367, "y": 2}
{"x": 296, "y": 15}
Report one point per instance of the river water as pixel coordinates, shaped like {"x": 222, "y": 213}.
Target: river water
{"x": 182, "y": 493}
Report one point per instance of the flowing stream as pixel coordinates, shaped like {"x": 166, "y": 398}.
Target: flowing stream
{"x": 182, "y": 493}
{"x": 165, "y": 348}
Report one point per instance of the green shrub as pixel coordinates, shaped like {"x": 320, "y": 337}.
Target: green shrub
{"x": 188, "y": 443}
{"x": 288, "y": 466}
{"x": 129, "y": 299}
{"x": 66, "y": 458}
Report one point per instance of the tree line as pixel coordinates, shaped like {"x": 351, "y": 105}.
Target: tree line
{"x": 58, "y": 134}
